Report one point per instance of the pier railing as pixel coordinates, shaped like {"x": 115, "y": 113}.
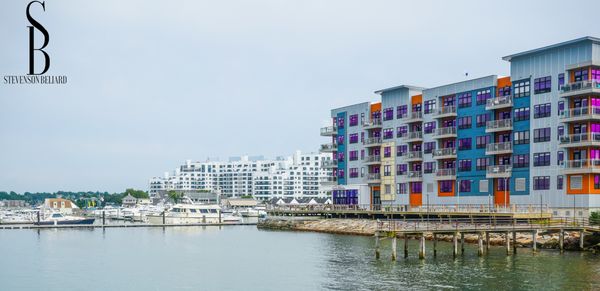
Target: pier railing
{"x": 432, "y": 208}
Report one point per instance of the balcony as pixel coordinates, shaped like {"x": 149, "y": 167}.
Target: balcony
{"x": 414, "y": 156}
{"x": 374, "y": 178}
{"x": 580, "y": 88}
{"x": 500, "y": 148}
{"x": 446, "y": 111}
{"x": 498, "y": 171}
{"x": 580, "y": 114}
{"x": 414, "y": 176}
{"x": 445, "y": 174}
{"x": 416, "y": 116}
{"x": 372, "y": 141}
{"x": 581, "y": 166}
{"x": 371, "y": 160}
{"x": 372, "y": 124}
{"x": 499, "y": 125}
{"x": 328, "y": 147}
{"x": 414, "y": 136}
{"x": 328, "y": 181}
{"x": 447, "y": 153}
{"x": 328, "y": 130}
{"x": 499, "y": 102}
{"x": 329, "y": 164}
{"x": 445, "y": 132}
{"x": 580, "y": 140}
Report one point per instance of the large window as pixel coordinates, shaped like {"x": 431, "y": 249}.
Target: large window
{"x": 465, "y": 143}
{"x": 464, "y": 122}
{"x": 482, "y": 141}
{"x": 542, "y": 110}
{"x": 580, "y": 75}
{"x": 428, "y": 167}
{"x": 541, "y": 134}
{"x": 464, "y": 186}
{"x": 561, "y": 80}
{"x": 429, "y": 127}
{"x": 522, "y": 114}
{"x": 401, "y": 169}
{"x": 387, "y": 152}
{"x": 542, "y": 85}
{"x": 464, "y": 100}
{"x": 446, "y": 186}
{"x": 522, "y": 88}
{"x": 521, "y": 161}
{"x": 354, "y": 120}
{"x": 353, "y": 138}
{"x": 596, "y": 74}
{"x": 428, "y": 147}
{"x": 353, "y": 155}
{"x": 541, "y": 159}
{"x": 388, "y": 113}
{"x": 429, "y": 106}
{"x": 482, "y": 119}
{"x": 401, "y": 131}
{"x": 464, "y": 165}
{"x": 541, "y": 183}
{"x": 353, "y": 172}
{"x": 482, "y": 96}
{"x": 401, "y": 150}
{"x": 388, "y": 133}
{"x": 387, "y": 170}
{"x": 482, "y": 163}
{"x": 521, "y": 137}
{"x": 401, "y": 111}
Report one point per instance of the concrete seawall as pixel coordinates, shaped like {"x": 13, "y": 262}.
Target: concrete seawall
{"x": 368, "y": 227}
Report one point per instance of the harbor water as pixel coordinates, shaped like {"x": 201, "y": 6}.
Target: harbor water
{"x": 245, "y": 258}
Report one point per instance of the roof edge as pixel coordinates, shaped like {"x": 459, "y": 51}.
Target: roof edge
{"x": 581, "y": 39}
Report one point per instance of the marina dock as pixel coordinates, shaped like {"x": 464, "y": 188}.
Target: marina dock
{"x": 128, "y": 225}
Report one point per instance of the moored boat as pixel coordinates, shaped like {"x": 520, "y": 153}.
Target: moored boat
{"x": 188, "y": 214}
{"x": 60, "y": 219}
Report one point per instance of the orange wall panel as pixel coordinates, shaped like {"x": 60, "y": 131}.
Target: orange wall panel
{"x": 417, "y": 99}
{"x": 375, "y": 107}
{"x": 415, "y": 199}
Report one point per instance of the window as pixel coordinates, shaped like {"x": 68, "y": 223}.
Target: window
{"x": 387, "y": 152}
{"x": 504, "y": 91}
{"x": 596, "y": 74}
{"x": 482, "y": 119}
{"x": 388, "y": 113}
{"x": 353, "y": 172}
{"x": 354, "y": 120}
{"x": 522, "y": 88}
{"x": 388, "y": 133}
{"x": 541, "y": 134}
{"x": 429, "y": 127}
{"x": 401, "y": 111}
{"x": 541, "y": 183}
{"x": 401, "y": 169}
{"x": 464, "y": 100}
{"x": 340, "y": 173}
{"x": 521, "y": 137}
{"x": 464, "y": 122}
{"x": 429, "y": 106}
{"x": 580, "y": 75}
{"x": 521, "y": 161}
{"x": 576, "y": 182}
{"x": 340, "y": 122}
{"x": 560, "y": 131}
{"x": 542, "y": 110}
{"x": 401, "y": 131}
{"x": 596, "y": 181}
{"x": 340, "y": 139}
{"x": 464, "y": 143}
{"x": 520, "y": 184}
{"x": 541, "y": 159}
{"x": 482, "y": 163}
{"x": 561, "y": 107}
{"x": 428, "y": 147}
{"x": 482, "y": 141}
{"x": 561, "y": 80}
{"x": 429, "y": 167}
{"x": 560, "y": 157}
{"x": 353, "y": 138}
{"x": 465, "y": 186}
{"x": 522, "y": 114}
{"x": 542, "y": 85}
{"x": 353, "y": 155}
{"x": 402, "y": 188}
{"x": 464, "y": 165}
{"x": 482, "y": 96}
{"x": 388, "y": 189}
{"x": 445, "y": 186}
{"x": 401, "y": 150}
{"x": 340, "y": 156}
{"x": 387, "y": 170}
{"x": 559, "y": 182}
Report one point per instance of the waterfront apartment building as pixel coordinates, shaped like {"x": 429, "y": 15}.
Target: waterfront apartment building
{"x": 529, "y": 138}
{"x": 300, "y": 175}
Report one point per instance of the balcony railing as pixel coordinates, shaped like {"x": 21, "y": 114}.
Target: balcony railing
{"x": 328, "y": 130}
{"x": 413, "y": 136}
{"x": 446, "y": 153}
{"x": 498, "y": 148}
{"x": 413, "y": 155}
{"x": 581, "y": 139}
{"x": 445, "y": 132}
{"x": 499, "y": 125}
{"x": 330, "y": 164}
{"x": 446, "y": 111}
{"x": 373, "y": 177}
{"x": 581, "y": 166}
{"x": 372, "y": 159}
{"x": 372, "y": 141}
{"x": 373, "y": 123}
{"x": 579, "y": 114}
{"x": 414, "y": 116}
{"x": 414, "y": 176}
{"x": 445, "y": 174}
{"x": 499, "y": 102}
{"x": 581, "y": 87}
{"x": 498, "y": 171}
{"x": 328, "y": 147}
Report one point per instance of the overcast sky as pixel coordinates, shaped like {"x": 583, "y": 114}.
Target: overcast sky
{"x": 153, "y": 83}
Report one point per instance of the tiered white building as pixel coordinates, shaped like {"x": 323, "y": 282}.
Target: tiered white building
{"x": 300, "y": 175}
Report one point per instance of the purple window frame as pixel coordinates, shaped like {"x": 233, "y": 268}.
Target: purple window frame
{"x": 465, "y": 122}
{"x": 465, "y": 100}
{"x": 542, "y": 110}
{"x": 446, "y": 186}
{"x": 482, "y": 96}
{"x": 416, "y": 187}
{"x": 541, "y": 183}
{"x": 542, "y": 85}
{"x": 401, "y": 131}
{"x": 353, "y": 155}
{"x": 387, "y": 152}
{"x": 429, "y": 127}
{"x": 401, "y": 111}
{"x": 465, "y": 143}
{"x": 428, "y": 147}
{"x": 353, "y": 172}
{"x": 541, "y": 134}
{"x": 429, "y": 106}
{"x": 353, "y": 138}
{"x": 464, "y": 186}
{"x": 520, "y": 161}
{"x": 388, "y": 133}
{"x": 428, "y": 167}
{"x": 541, "y": 159}
{"x": 388, "y": 113}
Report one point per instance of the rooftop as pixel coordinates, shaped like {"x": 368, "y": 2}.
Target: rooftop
{"x": 533, "y": 51}
{"x": 409, "y": 87}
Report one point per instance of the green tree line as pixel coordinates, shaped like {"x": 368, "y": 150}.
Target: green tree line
{"x": 82, "y": 199}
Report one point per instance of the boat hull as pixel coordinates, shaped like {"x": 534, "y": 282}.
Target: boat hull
{"x": 154, "y": 219}
{"x": 67, "y": 222}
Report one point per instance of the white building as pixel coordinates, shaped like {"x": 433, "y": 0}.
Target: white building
{"x": 299, "y": 174}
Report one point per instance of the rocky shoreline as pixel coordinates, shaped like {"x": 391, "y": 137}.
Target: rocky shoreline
{"x": 368, "y": 227}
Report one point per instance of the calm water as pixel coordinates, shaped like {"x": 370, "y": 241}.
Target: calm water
{"x": 244, "y": 258}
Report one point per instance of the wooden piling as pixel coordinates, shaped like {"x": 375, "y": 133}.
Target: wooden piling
{"x": 377, "y": 254}
{"x": 480, "y": 244}
{"x": 561, "y": 240}
{"x": 514, "y": 242}
{"x": 405, "y": 245}
{"x": 434, "y": 244}
{"x": 462, "y": 243}
{"x": 394, "y": 255}
{"x": 487, "y": 241}
{"x": 581, "y": 239}
{"x": 507, "y": 242}
{"x": 455, "y": 244}
{"x": 534, "y": 240}
{"x": 422, "y": 247}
